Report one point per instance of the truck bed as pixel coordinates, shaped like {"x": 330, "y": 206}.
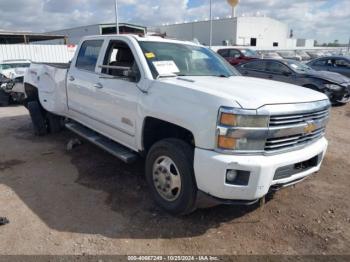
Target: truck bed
{"x": 57, "y": 65}
{"x": 50, "y": 81}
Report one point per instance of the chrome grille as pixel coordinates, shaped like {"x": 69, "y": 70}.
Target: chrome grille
{"x": 290, "y": 131}
{"x": 283, "y": 120}
{"x": 280, "y": 143}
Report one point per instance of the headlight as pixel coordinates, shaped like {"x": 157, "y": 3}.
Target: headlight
{"x": 229, "y": 119}
{"x": 241, "y": 130}
{"x": 333, "y": 87}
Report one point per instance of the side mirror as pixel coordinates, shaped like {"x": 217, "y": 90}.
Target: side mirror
{"x": 131, "y": 74}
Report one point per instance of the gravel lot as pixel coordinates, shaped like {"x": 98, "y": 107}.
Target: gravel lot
{"x": 86, "y": 201}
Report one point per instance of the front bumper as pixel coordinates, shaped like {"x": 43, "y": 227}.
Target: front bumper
{"x": 210, "y": 171}
{"x": 341, "y": 96}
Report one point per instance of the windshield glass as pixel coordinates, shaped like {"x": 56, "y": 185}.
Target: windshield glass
{"x": 249, "y": 53}
{"x": 169, "y": 59}
{"x": 298, "y": 67}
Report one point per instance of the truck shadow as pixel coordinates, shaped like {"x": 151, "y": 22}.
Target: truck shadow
{"x": 89, "y": 191}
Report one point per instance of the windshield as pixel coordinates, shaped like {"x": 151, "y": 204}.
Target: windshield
{"x": 249, "y": 53}
{"x": 298, "y": 67}
{"x": 169, "y": 59}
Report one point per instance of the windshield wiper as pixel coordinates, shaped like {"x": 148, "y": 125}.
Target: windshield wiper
{"x": 222, "y": 75}
{"x": 167, "y": 75}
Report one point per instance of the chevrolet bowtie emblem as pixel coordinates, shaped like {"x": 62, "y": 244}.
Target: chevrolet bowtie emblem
{"x": 311, "y": 127}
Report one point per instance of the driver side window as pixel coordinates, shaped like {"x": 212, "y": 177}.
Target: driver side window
{"x": 234, "y": 53}
{"x": 120, "y": 62}
{"x": 277, "y": 68}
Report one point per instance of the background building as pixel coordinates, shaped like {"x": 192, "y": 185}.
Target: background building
{"x": 13, "y": 37}
{"x": 260, "y": 32}
{"x": 73, "y": 35}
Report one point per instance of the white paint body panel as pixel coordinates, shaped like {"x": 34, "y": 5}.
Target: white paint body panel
{"x": 210, "y": 170}
{"x": 189, "y": 102}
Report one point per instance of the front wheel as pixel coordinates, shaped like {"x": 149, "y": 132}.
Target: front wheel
{"x": 170, "y": 176}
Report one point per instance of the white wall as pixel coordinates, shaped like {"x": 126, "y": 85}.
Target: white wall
{"x": 37, "y": 53}
{"x": 223, "y": 29}
{"x": 265, "y": 29}
{"x": 237, "y": 31}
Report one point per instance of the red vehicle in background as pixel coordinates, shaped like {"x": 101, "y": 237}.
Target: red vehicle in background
{"x": 236, "y": 56}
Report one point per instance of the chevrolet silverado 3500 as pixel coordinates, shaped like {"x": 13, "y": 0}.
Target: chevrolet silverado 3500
{"x": 206, "y": 132}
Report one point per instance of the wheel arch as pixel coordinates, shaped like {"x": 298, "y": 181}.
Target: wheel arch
{"x": 155, "y": 129}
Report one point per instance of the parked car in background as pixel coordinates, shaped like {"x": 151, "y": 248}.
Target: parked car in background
{"x": 290, "y": 55}
{"x": 338, "y": 64}
{"x": 304, "y": 56}
{"x": 334, "y": 85}
{"x": 270, "y": 55}
{"x": 14, "y": 68}
{"x": 235, "y": 56}
{"x": 4, "y": 97}
{"x": 314, "y": 54}
{"x": 12, "y": 87}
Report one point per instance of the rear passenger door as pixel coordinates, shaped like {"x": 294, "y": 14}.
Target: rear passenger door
{"x": 256, "y": 68}
{"x": 81, "y": 79}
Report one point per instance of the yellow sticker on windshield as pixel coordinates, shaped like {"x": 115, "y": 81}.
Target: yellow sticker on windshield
{"x": 150, "y": 55}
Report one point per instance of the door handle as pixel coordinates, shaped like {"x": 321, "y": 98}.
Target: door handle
{"x": 71, "y": 78}
{"x": 98, "y": 85}
{"x": 270, "y": 76}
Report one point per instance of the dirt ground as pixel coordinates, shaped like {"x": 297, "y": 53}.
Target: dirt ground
{"x": 87, "y": 202}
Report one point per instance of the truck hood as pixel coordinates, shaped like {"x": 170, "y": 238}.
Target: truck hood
{"x": 249, "y": 92}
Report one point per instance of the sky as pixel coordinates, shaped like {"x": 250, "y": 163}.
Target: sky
{"x": 323, "y": 20}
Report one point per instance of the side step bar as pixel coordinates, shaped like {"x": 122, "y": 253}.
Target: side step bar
{"x": 123, "y": 153}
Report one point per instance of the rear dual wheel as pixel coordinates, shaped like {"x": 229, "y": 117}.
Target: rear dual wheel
{"x": 43, "y": 122}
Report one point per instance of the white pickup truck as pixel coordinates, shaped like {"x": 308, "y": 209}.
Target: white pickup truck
{"x": 207, "y": 133}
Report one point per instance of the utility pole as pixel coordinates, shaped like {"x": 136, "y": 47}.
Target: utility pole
{"x": 116, "y": 16}
{"x": 211, "y": 26}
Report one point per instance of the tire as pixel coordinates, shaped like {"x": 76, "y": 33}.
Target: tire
{"x": 178, "y": 201}
{"x": 38, "y": 118}
{"x": 55, "y": 123}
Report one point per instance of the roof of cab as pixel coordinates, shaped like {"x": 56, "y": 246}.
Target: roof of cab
{"x": 142, "y": 39}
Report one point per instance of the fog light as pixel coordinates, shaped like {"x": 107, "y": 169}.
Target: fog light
{"x": 231, "y": 175}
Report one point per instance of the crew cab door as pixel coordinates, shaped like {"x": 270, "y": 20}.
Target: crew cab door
{"x": 81, "y": 79}
{"x": 117, "y": 94}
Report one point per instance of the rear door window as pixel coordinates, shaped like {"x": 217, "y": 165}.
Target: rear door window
{"x": 277, "y": 68}
{"x": 321, "y": 62}
{"x": 342, "y": 63}
{"x": 255, "y": 65}
{"x": 88, "y": 55}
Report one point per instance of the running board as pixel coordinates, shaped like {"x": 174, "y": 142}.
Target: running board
{"x": 123, "y": 153}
